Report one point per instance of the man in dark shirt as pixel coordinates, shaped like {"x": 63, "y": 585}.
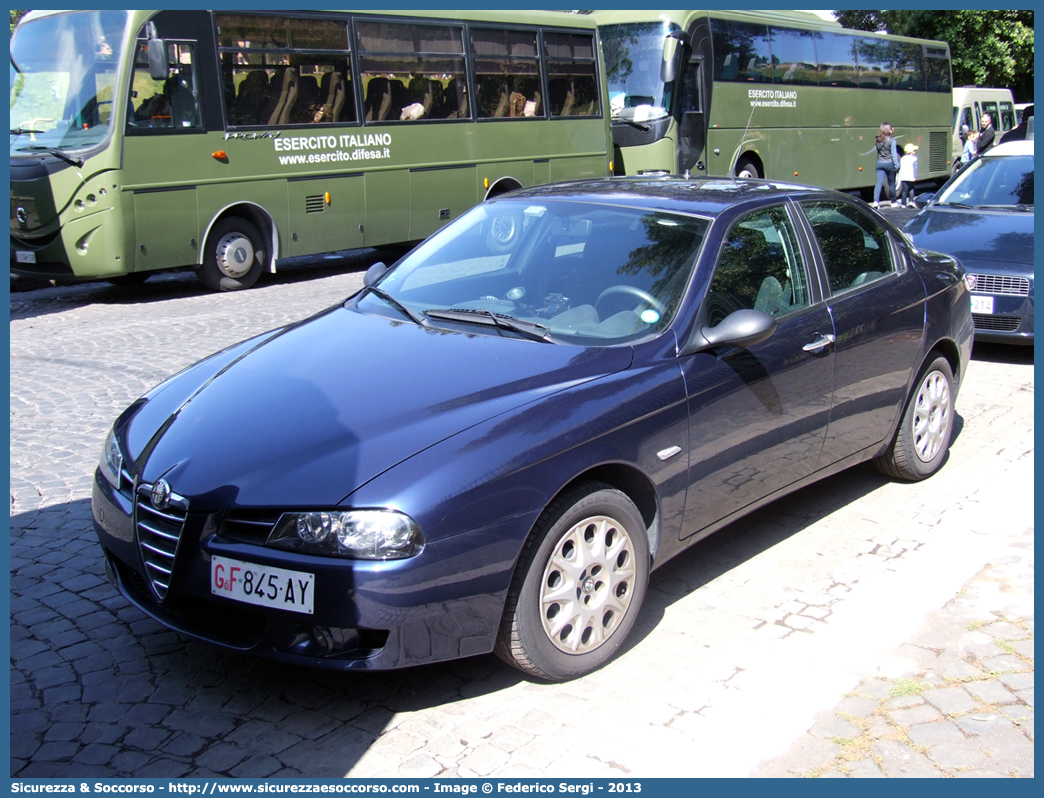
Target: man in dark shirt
{"x": 986, "y": 134}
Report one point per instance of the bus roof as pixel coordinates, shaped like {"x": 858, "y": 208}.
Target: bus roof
{"x": 565, "y": 19}
{"x": 799, "y": 19}
{"x": 805, "y": 19}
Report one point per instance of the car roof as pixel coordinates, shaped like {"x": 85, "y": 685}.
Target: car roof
{"x": 704, "y": 196}
{"x": 1024, "y": 147}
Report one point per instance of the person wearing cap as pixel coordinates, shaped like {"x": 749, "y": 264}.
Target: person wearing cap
{"x": 908, "y": 174}
{"x": 986, "y": 134}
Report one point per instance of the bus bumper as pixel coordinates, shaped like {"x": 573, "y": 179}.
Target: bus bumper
{"x": 86, "y": 248}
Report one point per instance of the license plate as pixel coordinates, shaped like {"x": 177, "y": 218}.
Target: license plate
{"x": 982, "y": 304}
{"x": 25, "y": 257}
{"x": 262, "y": 585}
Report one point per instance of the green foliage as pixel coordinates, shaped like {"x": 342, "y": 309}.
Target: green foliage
{"x": 15, "y": 16}
{"x": 987, "y": 48}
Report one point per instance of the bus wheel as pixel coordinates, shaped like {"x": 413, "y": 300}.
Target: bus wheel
{"x": 504, "y": 228}
{"x": 746, "y": 170}
{"x": 234, "y": 256}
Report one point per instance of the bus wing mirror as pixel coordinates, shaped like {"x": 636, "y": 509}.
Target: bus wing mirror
{"x": 669, "y": 66}
{"x": 157, "y": 53}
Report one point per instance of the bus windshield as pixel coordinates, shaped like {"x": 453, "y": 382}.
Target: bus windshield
{"x": 63, "y": 70}
{"x": 633, "y": 54}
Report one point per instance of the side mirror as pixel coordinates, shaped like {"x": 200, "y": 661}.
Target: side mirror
{"x": 156, "y": 50}
{"x": 740, "y": 328}
{"x": 375, "y": 273}
{"x": 669, "y": 64}
{"x": 923, "y": 199}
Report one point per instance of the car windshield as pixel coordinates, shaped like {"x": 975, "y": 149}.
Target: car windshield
{"x": 565, "y": 271}
{"x": 992, "y": 181}
{"x": 63, "y": 70}
{"x": 633, "y": 54}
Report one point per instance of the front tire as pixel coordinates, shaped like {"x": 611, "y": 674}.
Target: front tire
{"x": 923, "y": 439}
{"x": 578, "y": 587}
{"x": 234, "y": 258}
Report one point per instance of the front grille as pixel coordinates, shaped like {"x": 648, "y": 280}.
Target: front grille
{"x": 988, "y": 323}
{"x": 248, "y": 526}
{"x": 242, "y": 627}
{"x": 1000, "y": 284}
{"x": 159, "y": 532}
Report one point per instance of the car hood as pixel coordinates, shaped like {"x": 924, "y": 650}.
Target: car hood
{"x": 310, "y": 414}
{"x": 972, "y": 235}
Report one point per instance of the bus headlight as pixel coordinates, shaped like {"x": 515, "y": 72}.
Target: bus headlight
{"x": 358, "y": 534}
{"x": 111, "y": 459}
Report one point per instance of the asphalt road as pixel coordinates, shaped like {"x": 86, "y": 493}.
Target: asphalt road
{"x": 743, "y": 642}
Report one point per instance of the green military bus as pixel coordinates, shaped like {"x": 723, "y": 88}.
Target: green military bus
{"x": 782, "y": 95}
{"x": 228, "y": 140}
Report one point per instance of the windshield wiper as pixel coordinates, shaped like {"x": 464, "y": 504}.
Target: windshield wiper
{"x": 77, "y": 162}
{"x": 532, "y": 330}
{"x": 1015, "y": 206}
{"x": 21, "y": 131}
{"x": 632, "y": 123}
{"x": 412, "y": 315}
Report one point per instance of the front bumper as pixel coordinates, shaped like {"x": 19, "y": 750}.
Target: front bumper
{"x": 445, "y": 603}
{"x": 1010, "y": 323}
{"x": 86, "y": 248}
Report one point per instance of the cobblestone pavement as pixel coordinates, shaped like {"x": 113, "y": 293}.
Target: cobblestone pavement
{"x": 956, "y": 700}
{"x": 857, "y": 627}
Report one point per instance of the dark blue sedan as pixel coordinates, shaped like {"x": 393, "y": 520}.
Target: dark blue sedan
{"x": 984, "y": 217}
{"x": 493, "y": 443}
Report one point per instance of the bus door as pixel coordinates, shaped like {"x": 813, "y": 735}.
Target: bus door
{"x": 692, "y": 128}
{"x": 162, "y": 132}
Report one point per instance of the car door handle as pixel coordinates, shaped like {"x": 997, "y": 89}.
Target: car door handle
{"x": 822, "y": 342}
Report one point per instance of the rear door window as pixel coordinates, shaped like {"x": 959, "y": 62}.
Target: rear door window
{"x": 855, "y": 248}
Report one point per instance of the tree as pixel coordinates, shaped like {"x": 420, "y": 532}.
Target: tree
{"x": 15, "y": 16}
{"x": 987, "y": 48}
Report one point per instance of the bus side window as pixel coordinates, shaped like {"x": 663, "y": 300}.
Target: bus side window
{"x": 507, "y": 73}
{"x": 411, "y": 72}
{"x": 966, "y": 119}
{"x": 990, "y": 107}
{"x": 1007, "y": 116}
{"x": 171, "y": 104}
{"x": 571, "y": 82}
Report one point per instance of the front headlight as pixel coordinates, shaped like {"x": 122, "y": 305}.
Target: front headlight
{"x": 359, "y": 534}
{"x": 111, "y": 459}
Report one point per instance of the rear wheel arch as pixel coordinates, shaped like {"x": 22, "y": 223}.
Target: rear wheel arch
{"x": 752, "y": 160}
{"x": 947, "y": 349}
{"x": 502, "y": 186}
{"x": 259, "y": 218}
